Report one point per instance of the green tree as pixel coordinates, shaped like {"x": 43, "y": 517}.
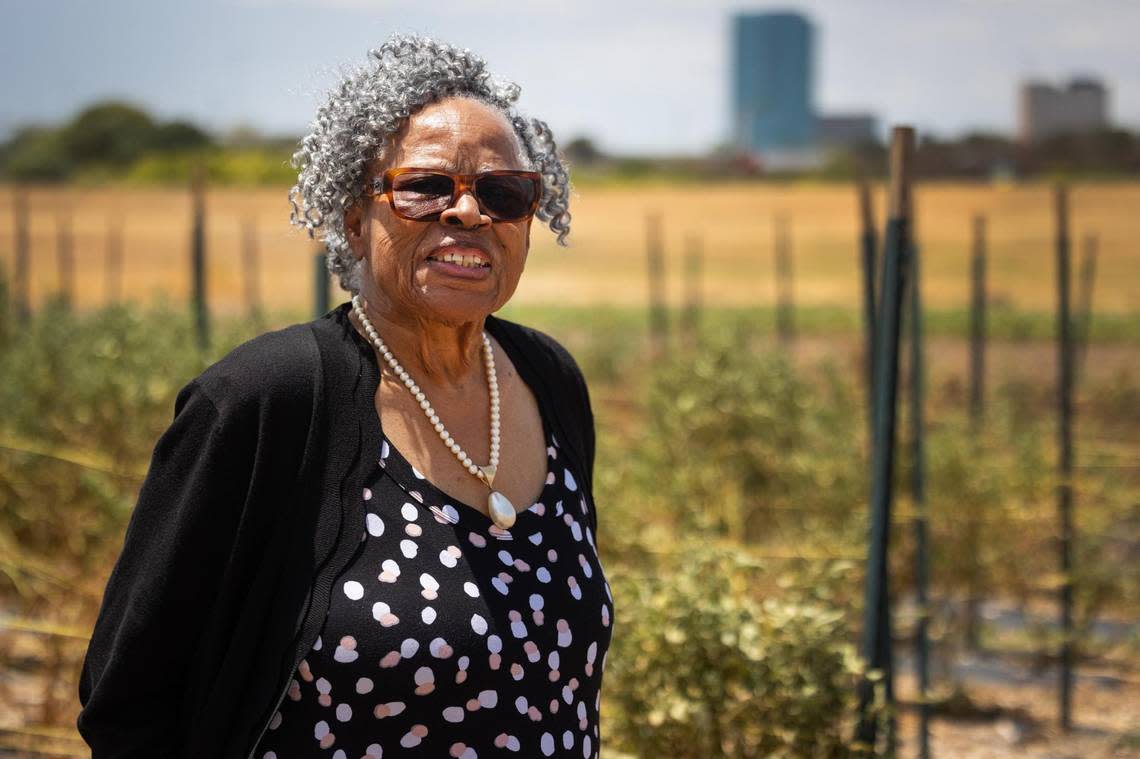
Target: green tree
{"x": 112, "y": 133}
{"x": 34, "y": 153}
{"x": 180, "y": 135}
{"x": 582, "y": 150}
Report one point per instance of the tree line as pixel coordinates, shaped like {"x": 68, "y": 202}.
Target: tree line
{"x": 115, "y": 140}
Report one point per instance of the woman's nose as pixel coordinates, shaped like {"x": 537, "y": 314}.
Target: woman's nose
{"x": 465, "y": 213}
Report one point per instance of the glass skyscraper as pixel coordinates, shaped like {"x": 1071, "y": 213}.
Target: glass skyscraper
{"x": 772, "y": 82}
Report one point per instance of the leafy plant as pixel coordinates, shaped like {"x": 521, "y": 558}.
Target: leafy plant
{"x": 738, "y": 442}
{"x": 710, "y": 665}
{"x": 85, "y": 399}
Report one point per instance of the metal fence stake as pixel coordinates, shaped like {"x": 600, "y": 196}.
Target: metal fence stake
{"x": 876, "y": 644}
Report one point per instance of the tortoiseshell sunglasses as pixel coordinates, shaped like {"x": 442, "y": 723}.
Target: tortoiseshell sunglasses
{"x": 423, "y": 194}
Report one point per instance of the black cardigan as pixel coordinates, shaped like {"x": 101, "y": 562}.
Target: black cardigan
{"x": 242, "y": 524}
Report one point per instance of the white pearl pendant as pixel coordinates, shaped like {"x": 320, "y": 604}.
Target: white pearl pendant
{"x": 502, "y": 512}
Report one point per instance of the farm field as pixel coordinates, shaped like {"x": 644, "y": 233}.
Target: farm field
{"x": 605, "y": 264}
{"x": 766, "y": 522}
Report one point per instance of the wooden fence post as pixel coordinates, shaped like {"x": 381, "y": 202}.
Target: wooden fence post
{"x": 785, "y": 292}
{"x": 658, "y": 314}
{"x": 876, "y": 643}
{"x": 1065, "y": 452}
{"x": 113, "y": 260}
{"x": 1084, "y": 304}
{"x": 250, "y": 266}
{"x": 5, "y": 305}
{"x": 22, "y": 259}
{"x": 694, "y": 265}
{"x": 200, "y": 305}
{"x": 977, "y": 397}
{"x": 978, "y": 323}
{"x": 65, "y": 257}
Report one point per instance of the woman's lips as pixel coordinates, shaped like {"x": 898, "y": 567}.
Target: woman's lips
{"x": 452, "y": 269}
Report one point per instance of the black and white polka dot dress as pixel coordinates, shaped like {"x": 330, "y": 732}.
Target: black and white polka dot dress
{"x": 448, "y": 636}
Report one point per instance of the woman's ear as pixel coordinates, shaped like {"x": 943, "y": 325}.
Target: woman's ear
{"x": 354, "y": 229}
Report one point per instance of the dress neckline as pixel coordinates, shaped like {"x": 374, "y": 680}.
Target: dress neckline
{"x": 420, "y": 489}
{"x": 367, "y": 380}
{"x": 372, "y": 435}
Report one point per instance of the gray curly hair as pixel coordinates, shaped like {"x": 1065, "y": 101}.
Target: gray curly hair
{"x": 371, "y": 103}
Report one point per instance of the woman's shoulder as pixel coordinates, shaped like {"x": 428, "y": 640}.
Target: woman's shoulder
{"x": 553, "y": 374}
{"x": 280, "y": 369}
{"x": 545, "y": 352}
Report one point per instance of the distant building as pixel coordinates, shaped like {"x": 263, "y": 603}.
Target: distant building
{"x": 772, "y": 71}
{"x": 773, "y": 111}
{"x": 846, "y": 130}
{"x": 1046, "y": 110}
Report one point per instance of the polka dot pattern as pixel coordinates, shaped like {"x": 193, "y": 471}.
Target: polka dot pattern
{"x": 450, "y": 636}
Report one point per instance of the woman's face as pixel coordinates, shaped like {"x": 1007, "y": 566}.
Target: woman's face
{"x": 404, "y": 275}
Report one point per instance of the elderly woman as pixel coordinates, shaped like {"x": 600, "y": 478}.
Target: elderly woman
{"x": 373, "y": 535}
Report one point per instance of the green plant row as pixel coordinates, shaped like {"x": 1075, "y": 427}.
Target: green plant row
{"x": 1002, "y": 323}
{"x": 732, "y": 490}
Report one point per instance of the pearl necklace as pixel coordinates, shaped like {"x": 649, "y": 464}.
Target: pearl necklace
{"x": 501, "y": 509}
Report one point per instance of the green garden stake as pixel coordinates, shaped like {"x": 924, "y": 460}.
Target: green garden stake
{"x": 876, "y": 643}
{"x": 918, "y": 496}
{"x": 868, "y": 264}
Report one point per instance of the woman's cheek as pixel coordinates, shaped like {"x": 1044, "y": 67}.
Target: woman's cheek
{"x": 394, "y": 257}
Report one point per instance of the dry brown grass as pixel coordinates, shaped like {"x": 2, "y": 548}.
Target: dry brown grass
{"x": 606, "y": 262}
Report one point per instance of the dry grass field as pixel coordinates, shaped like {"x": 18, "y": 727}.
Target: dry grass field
{"x": 606, "y": 262}
{"x": 606, "y": 266}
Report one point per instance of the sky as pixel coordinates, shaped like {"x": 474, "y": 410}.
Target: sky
{"x": 637, "y": 76}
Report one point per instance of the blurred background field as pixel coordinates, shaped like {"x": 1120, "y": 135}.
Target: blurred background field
{"x": 733, "y": 222}
{"x": 737, "y": 457}
{"x": 733, "y": 475}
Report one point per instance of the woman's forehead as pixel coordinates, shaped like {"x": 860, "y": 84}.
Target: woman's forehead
{"x": 458, "y": 130}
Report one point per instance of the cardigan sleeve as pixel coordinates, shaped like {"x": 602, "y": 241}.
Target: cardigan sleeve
{"x": 578, "y": 382}
{"x": 158, "y": 597}
{"x": 588, "y": 432}
{"x": 583, "y": 412}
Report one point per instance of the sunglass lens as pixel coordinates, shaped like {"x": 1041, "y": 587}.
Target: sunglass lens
{"x": 418, "y": 196}
{"x": 506, "y": 197}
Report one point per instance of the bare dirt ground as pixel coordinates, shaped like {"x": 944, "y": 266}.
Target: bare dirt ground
{"x": 1106, "y": 720}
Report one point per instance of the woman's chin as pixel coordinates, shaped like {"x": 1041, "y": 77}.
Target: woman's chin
{"x": 457, "y": 300}
{"x": 456, "y": 307}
